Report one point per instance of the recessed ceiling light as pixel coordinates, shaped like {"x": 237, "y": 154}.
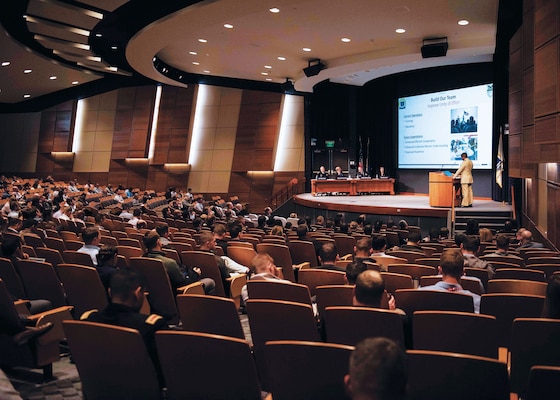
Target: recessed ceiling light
{"x": 75, "y": 82}
{"x": 26, "y": 96}
{"x": 400, "y": 30}
{"x": 268, "y": 79}
{"x": 202, "y": 40}
{"x": 264, "y": 73}
{"x": 346, "y": 40}
{"x": 27, "y": 71}
{"x": 274, "y": 10}
{"x": 282, "y": 58}
{"x": 306, "y": 49}
{"x": 228, "y": 26}
{"x": 463, "y": 22}
{"x": 52, "y": 78}
{"x": 196, "y": 63}
{"x": 114, "y": 47}
{"x": 206, "y": 71}
{"x": 98, "y": 35}
{"x": 5, "y": 63}
{"x": 194, "y": 53}
{"x": 268, "y": 67}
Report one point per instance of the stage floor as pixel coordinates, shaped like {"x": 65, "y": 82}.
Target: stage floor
{"x": 395, "y": 205}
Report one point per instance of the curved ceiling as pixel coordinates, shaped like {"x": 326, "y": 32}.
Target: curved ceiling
{"x": 235, "y": 43}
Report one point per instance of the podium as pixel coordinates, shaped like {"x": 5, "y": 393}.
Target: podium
{"x": 443, "y": 190}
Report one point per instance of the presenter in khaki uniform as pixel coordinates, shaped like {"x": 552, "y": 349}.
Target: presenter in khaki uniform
{"x": 465, "y": 172}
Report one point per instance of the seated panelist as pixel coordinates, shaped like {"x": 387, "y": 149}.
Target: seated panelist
{"x": 322, "y": 174}
{"x": 361, "y": 173}
{"x": 338, "y": 173}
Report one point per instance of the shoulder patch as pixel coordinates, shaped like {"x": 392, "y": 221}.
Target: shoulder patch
{"x": 87, "y": 314}
{"x": 153, "y": 318}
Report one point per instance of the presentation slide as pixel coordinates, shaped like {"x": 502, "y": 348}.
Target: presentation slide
{"x": 435, "y": 128}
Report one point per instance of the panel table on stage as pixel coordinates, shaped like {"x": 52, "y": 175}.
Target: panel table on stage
{"x": 353, "y": 186}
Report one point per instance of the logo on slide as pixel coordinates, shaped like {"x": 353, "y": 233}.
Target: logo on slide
{"x": 402, "y": 104}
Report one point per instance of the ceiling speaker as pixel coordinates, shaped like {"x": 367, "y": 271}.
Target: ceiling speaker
{"x": 434, "y": 47}
{"x": 313, "y": 68}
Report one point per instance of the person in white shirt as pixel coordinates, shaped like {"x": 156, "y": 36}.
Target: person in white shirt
{"x": 91, "y": 243}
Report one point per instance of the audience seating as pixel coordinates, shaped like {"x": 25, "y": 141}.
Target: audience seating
{"x": 456, "y": 332}
{"x": 75, "y": 257}
{"x": 277, "y": 290}
{"x": 112, "y": 361}
{"x": 55, "y": 243}
{"x": 521, "y": 273}
{"x": 349, "y": 325}
{"x": 542, "y": 260}
{"x": 52, "y": 256}
{"x": 548, "y": 269}
{"x": 479, "y": 273}
{"x": 209, "y": 314}
{"x": 439, "y": 375}
{"x": 517, "y": 286}
{"x": 199, "y": 365}
{"x": 73, "y": 244}
{"x": 282, "y": 258}
{"x": 128, "y": 252}
{"x": 394, "y": 281}
{"x": 41, "y": 282}
{"x": 333, "y": 295}
{"x": 508, "y": 306}
{"x": 314, "y": 277}
{"x": 411, "y": 300}
{"x": 410, "y": 256}
{"x": 11, "y": 279}
{"x": 542, "y": 383}
{"x": 414, "y": 270}
{"x": 344, "y": 244}
{"x": 32, "y": 240}
{"x": 518, "y": 261}
{"x": 307, "y": 370}
{"x": 242, "y": 255}
{"x": 430, "y": 261}
{"x": 83, "y": 288}
{"x": 108, "y": 240}
{"x": 534, "y": 341}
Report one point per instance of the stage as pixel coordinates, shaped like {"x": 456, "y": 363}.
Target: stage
{"x": 414, "y": 208}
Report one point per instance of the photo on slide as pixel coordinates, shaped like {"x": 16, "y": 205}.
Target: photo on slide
{"x": 464, "y": 120}
{"x": 465, "y": 144}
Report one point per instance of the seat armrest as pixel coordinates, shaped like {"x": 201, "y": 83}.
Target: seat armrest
{"x": 192, "y": 288}
{"x": 303, "y": 265}
{"x": 22, "y": 307}
{"x": 236, "y": 283}
{"x": 56, "y": 316}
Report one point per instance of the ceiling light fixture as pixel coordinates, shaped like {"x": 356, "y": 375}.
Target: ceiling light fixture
{"x": 306, "y": 49}
{"x": 52, "y": 78}
{"x": 194, "y": 53}
{"x": 5, "y": 63}
{"x": 268, "y": 67}
{"x": 274, "y": 10}
{"x": 463, "y": 22}
{"x": 202, "y": 40}
{"x": 264, "y": 73}
{"x": 282, "y": 58}
{"x": 228, "y": 26}
{"x": 75, "y": 82}
{"x": 400, "y": 30}
{"x": 26, "y": 96}
{"x": 346, "y": 40}
{"x": 196, "y": 63}
{"x": 27, "y": 71}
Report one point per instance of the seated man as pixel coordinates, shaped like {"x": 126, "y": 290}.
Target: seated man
{"x": 361, "y": 173}
{"x": 377, "y": 371}
{"x": 338, "y": 174}
{"x": 227, "y": 266}
{"x": 470, "y": 245}
{"x": 127, "y": 296}
{"x": 177, "y": 278}
{"x": 322, "y": 174}
{"x": 502, "y": 248}
{"x": 354, "y": 269}
{"x": 107, "y": 264}
{"x": 369, "y": 292}
{"x": 451, "y": 266}
{"x": 363, "y": 250}
{"x": 527, "y": 241}
{"x": 328, "y": 256}
{"x": 413, "y": 243}
{"x": 265, "y": 270}
{"x": 91, "y": 243}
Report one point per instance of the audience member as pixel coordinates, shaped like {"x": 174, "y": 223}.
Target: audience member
{"x": 163, "y": 231}
{"x": 470, "y": 247}
{"x": 227, "y": 266}
{"x": 107, "y": 264}
{"x": 353, "y": 270}
{"x": 552, "y": 300}
{"x": 91, "y": 239}
{"x": 486, "y": 235}
{"x": 369, "y": 291}
{"x": 527, "y": 241}
{"x": 377, "y": 371}
{"x": 328, "y": 256}
{"x": 363, "y": 250}
{"x": 451, "y": 267}
{"x": 413, "y": 243}
{"x": 472, "y": 227}
{"x": 220, "y": 236}
{"x": 265, "y": 270}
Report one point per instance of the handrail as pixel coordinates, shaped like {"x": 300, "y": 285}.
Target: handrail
{"x": 292, "y": 188}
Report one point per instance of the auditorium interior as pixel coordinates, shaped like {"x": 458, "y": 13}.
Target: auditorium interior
{"x": 241, "y": 103}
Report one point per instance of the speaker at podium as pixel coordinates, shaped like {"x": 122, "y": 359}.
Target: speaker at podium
{"x": 444, "y": 190}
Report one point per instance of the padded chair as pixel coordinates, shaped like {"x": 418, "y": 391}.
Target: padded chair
{"x": 303, "y": 251}
{"x": 277, "y": 290}
{"x": 313, "y": 277}
{"x": 282, "y": 258}
{"x": 542, "y": 260}
{"x": 126, "y": 241}
{"x": 506, "y": 307}
{"x": 52, "y": 256}
{"x": 32, "y": 240}
{"x": 41, "y": 282}
{"x": 112, "y": 361}
{"x": 414, "y": 270}
{"x": 73, "y": 244}
{"x": 209, "y": 314}
{"x": 108, "y": 240}
{"x": 542, "y": 383}
{"x": 394, "y": 281}
{"x": 456, "y": 332}
{"x": 307, "y": 370}
{"x": 504, "y": 259}
{"x": 548, "y": 269}
{"x": 278, "y": 320}
{"x": 69, "y": 235}
{"x": 11, "y": 278}
{"x": 180, "y": 246}
{"x": 411, "y": 300}
{"x": 242, "y": 255}
{"x": 39, "y": 352}
{"x": 83, "y": 288}
{"x": 349, "y": 325}
{"x": 479, "y": 273}
{"x": 344, "y": 244}
{"x": 75, "y": 257}
{"x": 119, "y": 234}
{"x": 204, "y": 366}
{"x": 430, "y": 261}
{"x": 410, "y": 256}
{"x": 393, "y": 239}
{"x": 128, "y": 252}
{"x": 54, "y": 243}
{"x": 534, "y": 341}
{"x": 333, "y": 295}
{"x": 439, "y": 375}
{"x": 520, "y": 273}
{"x": 517, "y": 286}
{"x": 161, "y": 296}
{"x": 30, "y": 251}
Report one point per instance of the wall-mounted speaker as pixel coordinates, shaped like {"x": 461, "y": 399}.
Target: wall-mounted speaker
{"x": 436, "y": 47}
{"x": 313, "y": 68}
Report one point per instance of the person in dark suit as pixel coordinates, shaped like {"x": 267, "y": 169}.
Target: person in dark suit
{"x": 361, "y": 173}
{"x": 338, "y": 173}
{"x": 322, "y": 174}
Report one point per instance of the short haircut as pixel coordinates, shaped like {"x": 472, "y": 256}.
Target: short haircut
{"x": 434, "y": 233}
{"x": 414, "y": 237}
{"x": 452, "y": 263}
{"x": 150, "y": 240}
{"x": 471, "y": 243}
{"x": 302, "y": 230}
{"x": 261, "y": 261}
{"x": 328, "y": 252}
{"x": 369, "y": 288}
{"x": 219, "y": 229}
{"x": 354, "y": 269}
{"x": 234, "y": 230}
{"x": 10, "y": 244}
{"x": 205, "y": 236}
{"x": 89, "y": 234}
{"x": 137, "y": 212}
{"x": 378, "y": 242}
{"x": 363, "y": 244}
{"x": 106, "y": 253}
{"x": 378, "y": 369}
{"x": 162, "y": 229}
{"x": 125, "y": 281}
{"x": 502, "y": 241}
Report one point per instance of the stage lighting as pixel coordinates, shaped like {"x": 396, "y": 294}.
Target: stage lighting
{"x": 313, "y": 67}
{"x": 436, "y": 47}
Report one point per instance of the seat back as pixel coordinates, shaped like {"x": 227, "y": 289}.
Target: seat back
{"x": 414, "y": 270}
{"x": 518, "y": 286}
{"x": 333, "y": 295}
{"x": 32, "y": 240}
{"x": 349, "y": 325}
{"x": 434, "y": 375}
{"x": 242, "y": 255}
{"x": 128, "y": 252}
{"x": 161, "y": 296}
{"x": 303, "y": 251}
{"x": 542, "y": 260}
{"x": 518, "y": 261}
{"x": 344, "y": 244}
{"x": 202, "y": 358}
{"x": 411, "y": 300}
{"x": 394, "y": 281}
{"x": 11, "y": 279}
{"x": 430, "y": 261}
{"x": 410, "y": 256}
{"x": 54, "y": 243}
{"x": 75, "y": 257}
{"x": 318, "y": 277}
{"x": 542, "y": 383}
{"x": 282, "y": 258}
{"x": 209, "y": 314}
{"x": 278, "y": 290}
{"x": 506, "y": 307}
{"x": 534, "y": 341}
{"x": 479, "y": 273}
{"x": 83, "y": 288}
{"x": 548, "y": 269}
{"x": 456, "y": 332}
{"x": 112, "y": 361}
{"x": 41, "y": 282}
{"x": 521, "y": 273}
{"x": 73, "y": 244}
{"x": 208, "y": 266}
{"x": 50, "y": 255}
{"x": 307, "y": 370}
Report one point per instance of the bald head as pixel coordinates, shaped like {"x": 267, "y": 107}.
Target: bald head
{"x": 369, "y": 289}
